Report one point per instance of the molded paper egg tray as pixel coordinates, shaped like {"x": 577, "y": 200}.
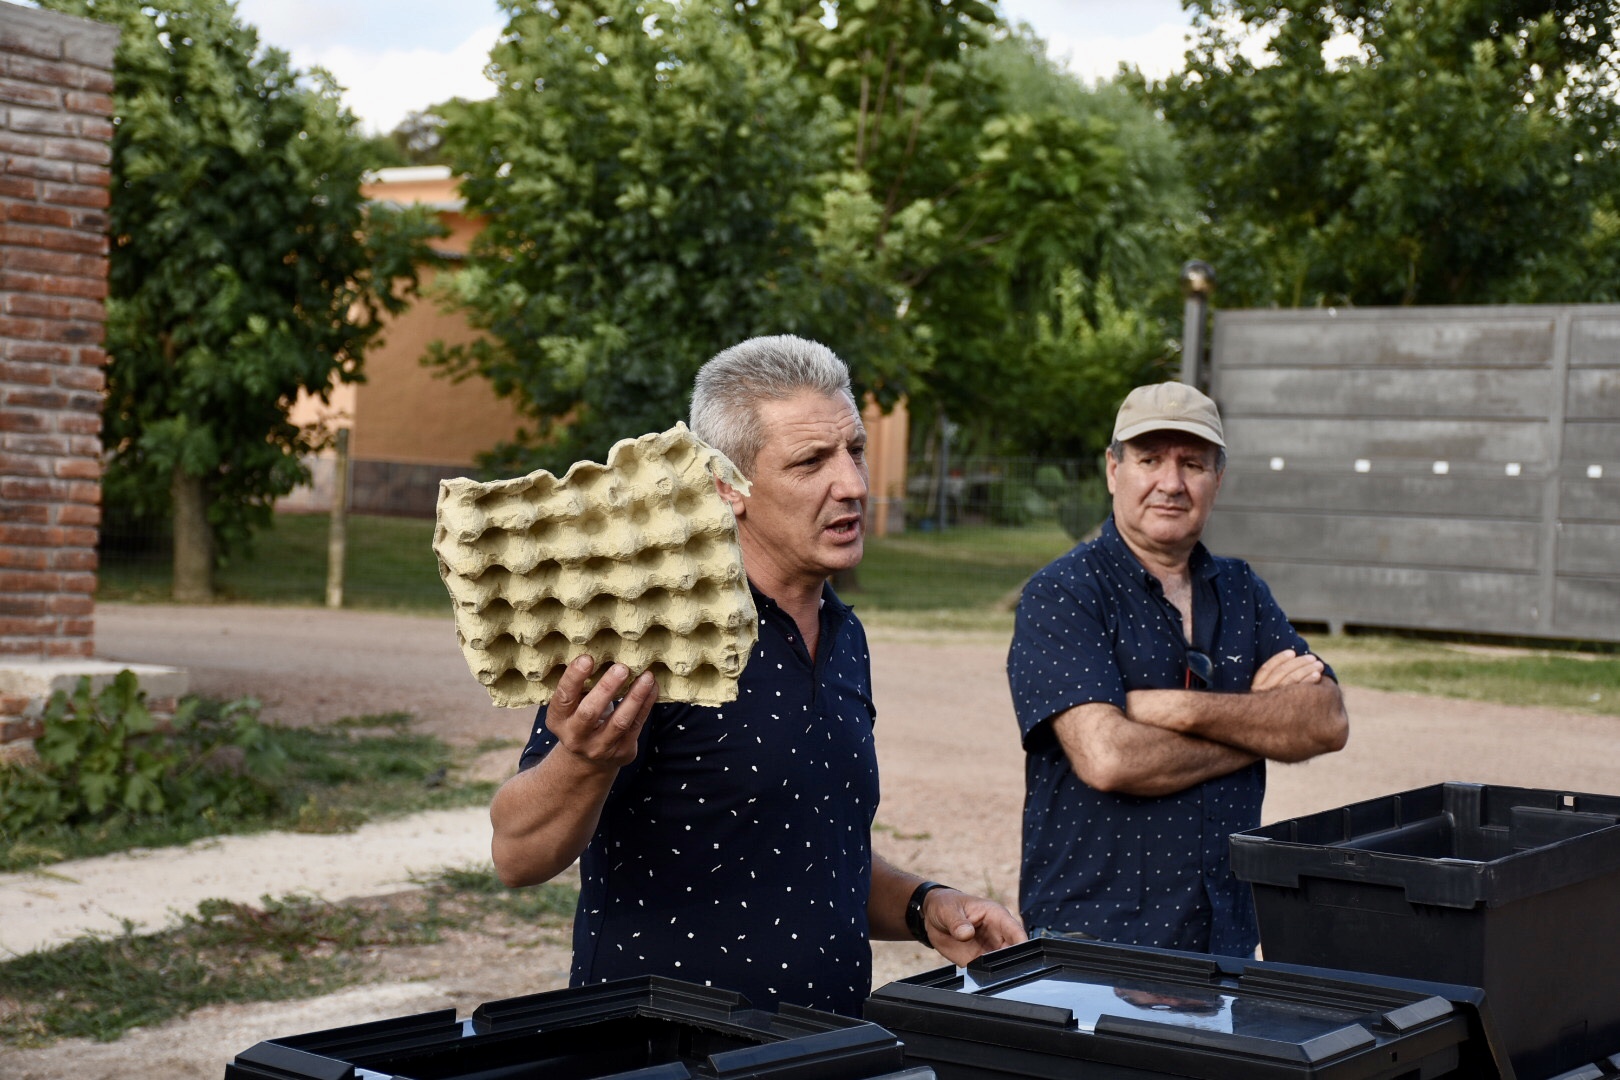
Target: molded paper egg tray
{"x": 635, "y": 561}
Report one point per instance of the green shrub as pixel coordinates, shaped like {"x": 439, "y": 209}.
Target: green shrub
{"x": 1051, "y": 483}
{"x": 101, "y": 758}
{"x": 1016, "y": 502}
{"x": 1084, "y": 507}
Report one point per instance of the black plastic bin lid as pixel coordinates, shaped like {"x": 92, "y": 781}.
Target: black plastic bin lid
{"x": 1608, "y": 1069}
{"x": 1040, "y": 1008}
{"x": 635, "y": 1029}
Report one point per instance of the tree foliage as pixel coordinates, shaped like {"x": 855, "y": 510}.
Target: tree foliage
{"x": 903, "y": 179}
{"x": 653, "y": 185}
{"x": 1403, "y": 151}
{"x": 243, "y": 268}
{"x": 1063, "y": 233}
{"x": 415, "y": 140}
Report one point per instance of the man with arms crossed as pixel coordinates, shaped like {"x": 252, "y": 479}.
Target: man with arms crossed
{"x": 1151, "y": 682}
{"x": 731, "y": 845}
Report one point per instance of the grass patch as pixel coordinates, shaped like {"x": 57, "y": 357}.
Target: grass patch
{"x": 391, "y": 566}
{"x": 231, "y": 953}
{"x": 1578, "y": 682}
{"x": 334, "y": 779}
{"x": 966, "y": 572}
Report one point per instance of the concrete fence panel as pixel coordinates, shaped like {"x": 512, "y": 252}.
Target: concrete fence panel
{"x": 1448, "y": 468}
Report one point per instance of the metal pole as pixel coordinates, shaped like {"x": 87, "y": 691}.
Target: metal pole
{"x": 337, "y": 536}
{"x": 1197, "y": 283}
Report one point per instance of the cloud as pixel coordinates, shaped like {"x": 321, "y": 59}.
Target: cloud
{"x": 1157, "y": 51}
{"x": 379, "y": 25}
{"x": 382, "y": 85}
{"x": 299, "y": 24}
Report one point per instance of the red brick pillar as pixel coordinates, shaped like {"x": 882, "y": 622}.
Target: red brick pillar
{"x": 56, "y": 110}
{"x": 55, "y": 102}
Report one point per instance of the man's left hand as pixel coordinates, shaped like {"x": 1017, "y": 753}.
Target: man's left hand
{"x": 962, "y": 927}
{"x": 1287, "y": 668}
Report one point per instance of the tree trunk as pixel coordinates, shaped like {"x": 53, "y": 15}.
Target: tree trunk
{"x": 193, "y": 540}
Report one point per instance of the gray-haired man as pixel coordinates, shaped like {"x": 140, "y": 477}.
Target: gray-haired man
{"x": 731, "y": 845}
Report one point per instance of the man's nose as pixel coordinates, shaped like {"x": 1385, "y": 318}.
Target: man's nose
{"x": 850, "y": 484}
{"x": 1172, "y": 478}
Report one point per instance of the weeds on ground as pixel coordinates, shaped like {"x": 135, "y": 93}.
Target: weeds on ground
{"x": 109, "y": 781}
{"x": 102, "y": 757}
{"x": 287, "y": 948}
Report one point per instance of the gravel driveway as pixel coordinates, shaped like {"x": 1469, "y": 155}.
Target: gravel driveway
{"x": 947, "y": 748}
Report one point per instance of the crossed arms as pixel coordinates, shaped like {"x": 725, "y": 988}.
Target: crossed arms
{"x": 1165, "y": 741}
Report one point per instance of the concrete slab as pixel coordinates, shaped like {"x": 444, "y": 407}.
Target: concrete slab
{"x": 41, "y": 678}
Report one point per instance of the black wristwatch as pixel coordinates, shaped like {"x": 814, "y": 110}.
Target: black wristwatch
{"x": 914, "y": 911}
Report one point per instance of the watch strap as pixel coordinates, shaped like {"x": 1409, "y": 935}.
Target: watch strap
{"x": 914, "y": 911}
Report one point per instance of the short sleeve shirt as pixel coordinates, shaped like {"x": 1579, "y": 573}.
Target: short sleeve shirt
{"x": 735, "y": 851}
{"x": 1091, "y": 626}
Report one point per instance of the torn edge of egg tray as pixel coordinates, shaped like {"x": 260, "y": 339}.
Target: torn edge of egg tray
{"x": 636, "y": 561}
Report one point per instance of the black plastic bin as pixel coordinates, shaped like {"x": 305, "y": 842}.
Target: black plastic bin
{"x": 1608, "y": 1069}
{"x": 1070, "y": 1010}
{"x": 1513, "y": 890}
{"x": 646, "y": 1029}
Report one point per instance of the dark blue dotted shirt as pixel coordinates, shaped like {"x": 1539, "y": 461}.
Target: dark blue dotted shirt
{"x": 735, "y": 851}
{"x": 1146, "y": 871}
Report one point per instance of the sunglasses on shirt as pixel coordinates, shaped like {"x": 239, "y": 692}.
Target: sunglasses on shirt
{"x": 1200, "y": 670}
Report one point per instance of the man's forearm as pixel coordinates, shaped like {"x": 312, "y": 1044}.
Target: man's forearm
{"x": 886, "y": 905}
{"x": 545, "y": 816}
{"x": 1288, "y": 723}
{"x": 1113, "y": 753}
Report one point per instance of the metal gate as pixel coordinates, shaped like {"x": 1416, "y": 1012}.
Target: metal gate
{"x": 1451, "y": 468}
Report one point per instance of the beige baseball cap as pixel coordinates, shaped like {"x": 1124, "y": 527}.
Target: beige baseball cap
{"x": 1170, "y": 406}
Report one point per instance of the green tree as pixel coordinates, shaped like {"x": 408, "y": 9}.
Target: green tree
{"x": 1053, "y": 292}
{"x": 419, "y": 137}
{"x": 997, "y": 174}
{"x": 902, "y": 179}
{"x": 243, "y": 269}
{"x": 382, "y": 152}
{"x": 1405, "y": 151}
{"x": 913, "y": 100}
{"x": 657, "y": 182}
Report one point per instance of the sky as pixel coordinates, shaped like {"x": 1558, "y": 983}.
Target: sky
{"x": 398, "y": 56}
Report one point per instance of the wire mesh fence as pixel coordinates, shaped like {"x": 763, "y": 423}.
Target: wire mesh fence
{"x": 1015, "y": 492}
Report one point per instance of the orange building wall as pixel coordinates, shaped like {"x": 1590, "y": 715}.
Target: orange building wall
{"x": 405, "y": 412}
{"x": 886, "y": 445}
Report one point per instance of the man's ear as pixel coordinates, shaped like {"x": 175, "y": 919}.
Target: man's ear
{"x": 734, "y": 498}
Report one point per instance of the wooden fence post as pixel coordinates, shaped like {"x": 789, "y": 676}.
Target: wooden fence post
{"x": 337, "y": 537}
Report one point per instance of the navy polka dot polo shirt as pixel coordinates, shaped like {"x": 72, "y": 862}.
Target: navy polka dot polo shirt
{"x": 1091, "y": 626}
{"x": 735, "y": 851}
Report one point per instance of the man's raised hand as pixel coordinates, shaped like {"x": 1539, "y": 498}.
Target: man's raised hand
{"x": 601, "y": 726}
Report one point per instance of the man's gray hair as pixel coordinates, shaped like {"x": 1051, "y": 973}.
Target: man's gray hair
{"x": 1117, "y": 449}
{"x": 729, "y": 388}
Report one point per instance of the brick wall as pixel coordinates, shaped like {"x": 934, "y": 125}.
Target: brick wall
{"x": 55, "y": 126}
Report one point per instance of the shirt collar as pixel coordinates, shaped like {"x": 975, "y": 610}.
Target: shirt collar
{"x": 833, "y": 610}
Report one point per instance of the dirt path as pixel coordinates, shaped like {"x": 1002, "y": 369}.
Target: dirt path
{"x": 952, "y": 788}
